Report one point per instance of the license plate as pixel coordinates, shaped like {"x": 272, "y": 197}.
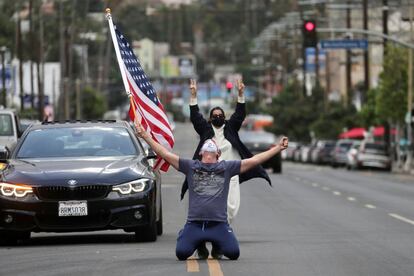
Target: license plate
{"x": 73, "y": 208}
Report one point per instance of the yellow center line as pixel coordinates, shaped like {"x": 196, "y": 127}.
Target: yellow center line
{"x": 192, "y": 265}
{"x": 214, "y": 267}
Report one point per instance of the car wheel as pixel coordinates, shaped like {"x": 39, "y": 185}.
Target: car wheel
{"x": 12, "y": 237}
{"x": 147, "y": 233}
{"x": 159, "y": 222}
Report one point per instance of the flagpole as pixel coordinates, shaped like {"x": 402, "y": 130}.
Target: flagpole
{"x": 117, "y": 51}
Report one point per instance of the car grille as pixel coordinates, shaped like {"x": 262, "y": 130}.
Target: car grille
{"x": 92, "y": 221}
{"x": 69, "y": 193}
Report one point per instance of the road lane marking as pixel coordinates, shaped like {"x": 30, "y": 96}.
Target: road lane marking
{"x": 402, "y": 218}
{"x": 214, "y": 267}
{"x": 192, "y": 265}
{"x": 351, "y": 198}
{"x": 336, "y": 193}
{"x": 369, "y": 206}
{"x": 315, "y": 184}
{"x": 326, "y": 188}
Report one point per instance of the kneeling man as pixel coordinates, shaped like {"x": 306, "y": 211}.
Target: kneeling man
{"x": 208, "y": 183}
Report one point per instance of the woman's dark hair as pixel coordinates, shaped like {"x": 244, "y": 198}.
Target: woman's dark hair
{"x": 216, "y": 108}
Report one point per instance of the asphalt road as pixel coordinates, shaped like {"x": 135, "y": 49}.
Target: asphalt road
{"x": 313, "y": 221}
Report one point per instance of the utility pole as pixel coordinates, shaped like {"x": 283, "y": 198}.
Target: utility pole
{"x": 62, "y": 58}
{"x": 69, "y": 57}
{"x": 78, "y": 99}
{"x": 328, "y": 80}
{"x": 385, "y": 24}
{"x": 20, "y": 58}
{"x": 31, "y": 55}
{"x": 40, "y": 67}
{"x": 366, "y": 52}
{"x": 303, "y": 59}
{"x": 407, "y": 165}
{"x": 3, "y": 75}
{"x": 387, "y": 127}
{"x": 348, "y": 58}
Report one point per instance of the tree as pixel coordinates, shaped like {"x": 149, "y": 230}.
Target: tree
{"x": 93, "y": 104}
{"x": 292, "y": 113}
{"x": 332, "y": 121}
{"x": 391, "y": 97}
{"x": 367, "y": 116}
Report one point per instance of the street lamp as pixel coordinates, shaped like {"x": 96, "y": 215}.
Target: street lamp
{"x": 3, "y": 50}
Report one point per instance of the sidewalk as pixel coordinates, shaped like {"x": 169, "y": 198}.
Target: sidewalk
{"x": 400, "y": 170}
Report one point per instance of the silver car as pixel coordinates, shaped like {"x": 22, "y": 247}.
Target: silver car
{"x": 351, "y": 162}
{"x": 339, "y": 152}
{"x": 373, "y": 155}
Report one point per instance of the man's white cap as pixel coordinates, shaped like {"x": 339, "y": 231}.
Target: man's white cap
{"x": 209, "y": 146}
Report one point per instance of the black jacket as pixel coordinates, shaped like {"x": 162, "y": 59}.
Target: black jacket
{"x": 231, "y": 128}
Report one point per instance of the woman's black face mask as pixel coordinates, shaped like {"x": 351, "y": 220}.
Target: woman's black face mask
{"x": 217, "y": 120}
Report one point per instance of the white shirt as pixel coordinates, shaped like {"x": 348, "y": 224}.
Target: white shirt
{"x": 227, "y": 150}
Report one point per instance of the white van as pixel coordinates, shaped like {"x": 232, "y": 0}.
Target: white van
{"x": 9, "y": 128}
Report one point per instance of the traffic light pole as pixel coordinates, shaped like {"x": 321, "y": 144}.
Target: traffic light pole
{"x": 407, "y": 165}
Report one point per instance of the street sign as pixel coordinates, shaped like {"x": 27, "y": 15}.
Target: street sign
{"x": 345, "y": 44}
{"x": 310, "y": 60}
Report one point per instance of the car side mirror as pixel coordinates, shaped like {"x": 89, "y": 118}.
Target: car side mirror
{"x": 151, "y": 154}
{"x": 4, "y": 154}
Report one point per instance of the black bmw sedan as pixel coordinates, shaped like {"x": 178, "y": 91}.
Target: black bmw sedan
{"x": 79, "y": 176}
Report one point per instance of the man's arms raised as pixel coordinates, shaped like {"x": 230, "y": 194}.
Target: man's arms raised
{"x": 157, "y": 148}
{"x": 247, "y": 164}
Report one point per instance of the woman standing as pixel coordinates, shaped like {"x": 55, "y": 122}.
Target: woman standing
{"x": 225, "y": 134}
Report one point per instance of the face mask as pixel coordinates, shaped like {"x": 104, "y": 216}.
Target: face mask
{"x": 217, "y": 121}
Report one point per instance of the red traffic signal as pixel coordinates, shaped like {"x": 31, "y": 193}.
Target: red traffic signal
{"x": 309, "y": 26}
{"x": 309, "y": 34}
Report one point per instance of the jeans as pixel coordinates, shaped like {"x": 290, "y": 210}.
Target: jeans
{"x": 220, "y": 234}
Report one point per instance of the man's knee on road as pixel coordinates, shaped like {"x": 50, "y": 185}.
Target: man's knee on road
{"x": 233, "y": 254}
{"x": 183, "y": 254}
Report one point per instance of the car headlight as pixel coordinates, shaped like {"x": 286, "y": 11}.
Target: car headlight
{"x": 15, "y": 190}
{"x": 135, "y": 186}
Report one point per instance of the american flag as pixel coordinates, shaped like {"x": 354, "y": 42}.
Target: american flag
{"x": 145, "y": 104}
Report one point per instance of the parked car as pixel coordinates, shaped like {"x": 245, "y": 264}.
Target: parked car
{"x": 287, "y": 154}
{"x": 259, "y": 141}
{"x": 321, "y": 154}
{"x": 339, "y": 152}
{"x": 296, "y": 153}
{"x": 79, "y": 176}
{"x": 10, "y": 129}
{"x": 351, "y": 161}
{"x": 373, "y": 155}
{"x": 25, "y": 123}
{"x": 305, "y": 151}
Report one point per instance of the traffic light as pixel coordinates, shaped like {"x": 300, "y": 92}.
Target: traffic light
{"x": 229, "y": 86}
{"x": 310, "y": 38}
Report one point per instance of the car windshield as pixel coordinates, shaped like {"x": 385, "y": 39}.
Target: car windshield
{"x": 345, "y": 145}
{"x": 77, "y": 142}
{"x": 375, "y": 148}
{"x": 6, "y": 127}
{"x": 257, "y": 137}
